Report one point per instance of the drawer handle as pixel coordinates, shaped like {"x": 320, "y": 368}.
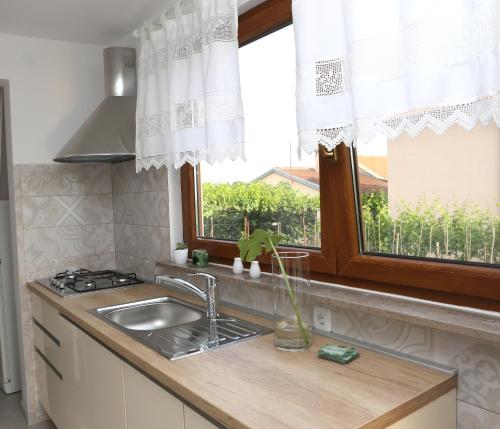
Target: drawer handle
{"x": 49, "y": 364}
{"x": 47, "y": 332}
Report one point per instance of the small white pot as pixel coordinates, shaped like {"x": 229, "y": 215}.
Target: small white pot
{"x": 237, "y": 266}
{"x": 180, "y": 256}
{"x": 255, "y": 270}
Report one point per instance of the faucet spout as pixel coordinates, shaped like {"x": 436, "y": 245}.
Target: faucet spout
{"x": 210, "y": 296}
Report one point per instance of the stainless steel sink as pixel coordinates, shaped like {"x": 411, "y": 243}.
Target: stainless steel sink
{"x": 175, "y": 328}
{"x": 151, "y": 316}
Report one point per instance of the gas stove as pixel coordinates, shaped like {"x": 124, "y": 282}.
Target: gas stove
{"x": 75, "y": 282}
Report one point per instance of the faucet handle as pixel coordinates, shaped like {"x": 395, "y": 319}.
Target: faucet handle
{"x": 211, "y": 280}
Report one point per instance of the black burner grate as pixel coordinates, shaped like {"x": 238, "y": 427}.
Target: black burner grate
{"x": 84, "y": 280}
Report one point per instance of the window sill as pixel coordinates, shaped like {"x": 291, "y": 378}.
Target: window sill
{"x": 480, "y": 324}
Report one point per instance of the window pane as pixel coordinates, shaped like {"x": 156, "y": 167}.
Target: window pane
{"x": 432, "y": 196}
{"x": 273, "y": 189}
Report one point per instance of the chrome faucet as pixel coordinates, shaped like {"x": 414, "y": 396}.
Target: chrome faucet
{"x": 210, "y": 296}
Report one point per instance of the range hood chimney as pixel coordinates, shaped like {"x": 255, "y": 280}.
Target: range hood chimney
{"x": 108, "y": 135}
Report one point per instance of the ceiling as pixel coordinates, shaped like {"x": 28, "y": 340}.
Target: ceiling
{"x": 102, "y": 22}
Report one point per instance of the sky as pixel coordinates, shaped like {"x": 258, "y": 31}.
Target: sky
{"x": 267, "y": 72}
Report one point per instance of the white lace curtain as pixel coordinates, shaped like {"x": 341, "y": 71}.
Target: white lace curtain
{"x": 188, "y": 97}
{"x": 369, "y": 67}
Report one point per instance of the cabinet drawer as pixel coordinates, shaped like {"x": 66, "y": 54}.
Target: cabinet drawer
{"x": 46, "y": 315}
{"x": 48, "y": 345}
{"x": 50, "y": 390}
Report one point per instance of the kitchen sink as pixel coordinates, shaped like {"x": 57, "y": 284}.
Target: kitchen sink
{"x": 150, "y": 316}
{"x": 175, "y": 328}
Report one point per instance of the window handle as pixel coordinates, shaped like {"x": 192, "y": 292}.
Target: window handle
{"x": 330, "y": 154}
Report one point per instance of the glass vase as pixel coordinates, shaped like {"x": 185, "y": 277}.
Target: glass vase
{"x": 292, "y": 307}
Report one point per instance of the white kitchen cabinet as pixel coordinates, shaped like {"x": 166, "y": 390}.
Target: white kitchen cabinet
{"x": 148, "y": 405}
{"x": 91, "y": 388}
{"x": 192, "y": 420}
{"x": 105, "y": 381}
{"x": 50, "y": 390}
{"x": 48, "y": 345}
{"x": 75, "y": 377}
{"x": 46, "y": 315}
{"x": 41, "y": 381}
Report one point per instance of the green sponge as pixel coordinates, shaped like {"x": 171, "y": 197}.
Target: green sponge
{"x": 339, "y": 354}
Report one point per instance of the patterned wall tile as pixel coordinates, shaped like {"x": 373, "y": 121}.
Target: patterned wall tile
{"x": 149, "y": 242}
{"x": 68, "y": 241}
{"x": 56, "y": 179}
{"x": 160, "y": 179}
{"x": 18, "y": 205}
{"x": 20, "y": 245}
{"x": 470, "y": 417}
{"x": 104, "y": 261}
{"x": 145, "y": 208}
{"x": 144, "y": 268}
{"x": 255, "y": 299}
{"x": 478, "y": 365}
{"x": 68, "y": 210}
{"x": 390, "y": 333}
{"x": 47, "y": 267}
{"x": 125, "y": 179}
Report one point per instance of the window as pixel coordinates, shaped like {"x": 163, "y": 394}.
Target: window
{"x": 401, "y": 217}
{"x": 273, "y": 189}
{"x": 432, "y": 197}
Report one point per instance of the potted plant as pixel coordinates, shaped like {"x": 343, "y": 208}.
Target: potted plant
{"x": 180, "y": 253}
{"x": 292, "y": 309}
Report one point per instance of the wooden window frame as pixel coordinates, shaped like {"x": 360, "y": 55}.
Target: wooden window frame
{"x": 340, "y": 260}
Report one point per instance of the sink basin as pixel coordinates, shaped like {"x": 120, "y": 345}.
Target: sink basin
{"x": 153, "y": 316}
{"x": 175, "y": 328}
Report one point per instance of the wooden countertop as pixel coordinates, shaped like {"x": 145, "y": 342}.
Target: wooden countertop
{"x": 253, "y": 385}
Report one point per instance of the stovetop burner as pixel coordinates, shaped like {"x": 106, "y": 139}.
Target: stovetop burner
{"x": 71, "y": 282}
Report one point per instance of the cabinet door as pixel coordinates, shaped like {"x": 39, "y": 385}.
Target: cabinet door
{"x": 148, "y": 405}
{"x": 75, "y": 376}
{"x": 50, "y": 390}
{"x": 107, "y": 396}
{"x": 192, "y": 420}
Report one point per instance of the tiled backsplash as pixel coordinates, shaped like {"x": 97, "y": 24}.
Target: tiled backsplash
{"x": 142, "y": 234}
{"x": 94, "y": 216}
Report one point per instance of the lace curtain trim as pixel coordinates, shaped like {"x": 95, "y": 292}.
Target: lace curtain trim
{"x": 193, "y": 157}
{"x": 438, "y": 119}
{"x": 219, "y": 106}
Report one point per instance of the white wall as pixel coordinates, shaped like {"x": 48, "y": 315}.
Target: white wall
{"x": 54, "y": 86}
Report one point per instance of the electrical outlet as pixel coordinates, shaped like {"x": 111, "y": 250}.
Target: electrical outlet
{"x": 322, "y": 318}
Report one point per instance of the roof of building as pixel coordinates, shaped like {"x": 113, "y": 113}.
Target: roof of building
{"x": 376, "y": 165}
{"x": 369, "y": 181}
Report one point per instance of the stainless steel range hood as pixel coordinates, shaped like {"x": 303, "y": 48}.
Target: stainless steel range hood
{"x": 108, "y": 135}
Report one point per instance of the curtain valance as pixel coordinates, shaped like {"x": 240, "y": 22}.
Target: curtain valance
{"x": 391, "y": 66}
{"x": 188, "y": 98}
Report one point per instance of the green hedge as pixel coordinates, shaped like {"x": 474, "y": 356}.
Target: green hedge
{"x": 464, "y": 232}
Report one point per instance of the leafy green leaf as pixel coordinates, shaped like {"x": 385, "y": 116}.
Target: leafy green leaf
{"x": 258, "y": 242}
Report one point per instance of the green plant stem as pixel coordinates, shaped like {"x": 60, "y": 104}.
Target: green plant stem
{"x": 293, "y": 298}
